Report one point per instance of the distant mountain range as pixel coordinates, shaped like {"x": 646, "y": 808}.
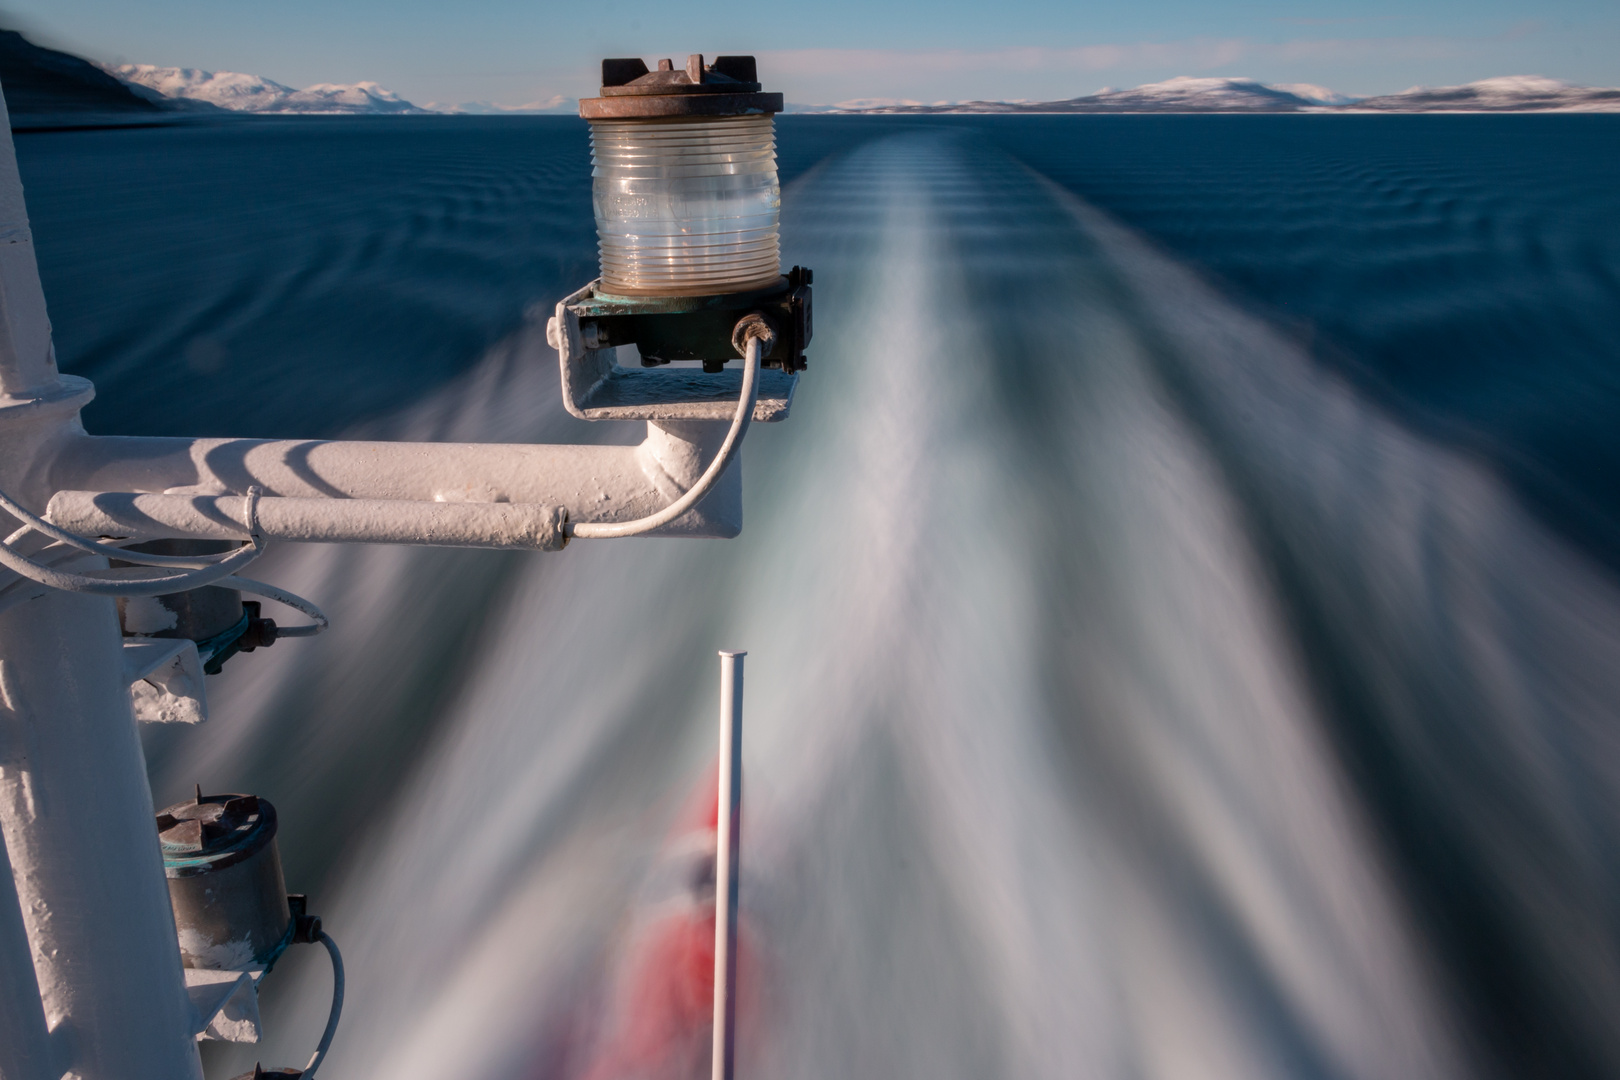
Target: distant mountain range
{"x": 1512, "y": 93}
{"x": 255, "y": 94}
{"x": 44, "y": 87}
{"x": 43, "y": 83}
{"x": 47, "y": 88}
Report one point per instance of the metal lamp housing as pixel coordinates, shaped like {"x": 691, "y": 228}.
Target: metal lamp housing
{"x": 225, "y": 881}
{"x": 687, "y": 203}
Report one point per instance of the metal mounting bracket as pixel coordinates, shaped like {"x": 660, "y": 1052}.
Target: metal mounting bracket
{"x": 595, "y": 387}
{"x": 224, "y": 1004}
{"x": 165, "y": 679}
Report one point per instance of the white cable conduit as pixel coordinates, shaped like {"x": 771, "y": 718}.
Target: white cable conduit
{"x": 336, "y": 1011}
{"x": 282, "y": 596}
{"x": 132, "y": 581}
{"x": 35, "y": 524}
{"x": 758, "y": 342}
{"x": 21, "y": 589}
{"x": 334, "y": 520}
{"x": 387, "y": 493}
{"x": 314, "y": 520}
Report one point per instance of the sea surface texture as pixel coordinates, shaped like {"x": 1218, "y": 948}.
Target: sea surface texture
{"x": 1182, "y": 610}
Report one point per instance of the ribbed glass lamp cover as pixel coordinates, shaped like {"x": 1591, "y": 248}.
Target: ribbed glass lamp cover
{"x": 688, "y": 206}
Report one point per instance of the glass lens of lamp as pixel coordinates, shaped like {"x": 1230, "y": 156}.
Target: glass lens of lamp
{"x": 686, "y": 206}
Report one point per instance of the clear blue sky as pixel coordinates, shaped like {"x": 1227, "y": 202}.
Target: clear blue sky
{"x": 516, "y": 51}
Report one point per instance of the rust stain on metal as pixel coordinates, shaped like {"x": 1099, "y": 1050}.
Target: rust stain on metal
{"x": 728, "y": 87}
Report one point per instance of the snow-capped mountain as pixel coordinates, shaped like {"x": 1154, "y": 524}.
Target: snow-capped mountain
{"x": 1513, "y": 93}
{"x": 1181, "y": 94}
{"x": 1509, "y": 93}
{"x": 1316, "y": 95}
{"x": 1187, "y": 94}
{"x": 253, "y": 93}
{"x": 45, "y": 87}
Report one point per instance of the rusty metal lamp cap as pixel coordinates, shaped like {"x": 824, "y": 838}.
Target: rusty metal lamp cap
{"x": 212, "y": 832}
{"x": 728, "y": 87}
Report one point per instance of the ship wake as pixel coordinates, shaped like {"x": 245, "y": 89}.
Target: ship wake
{"x": 1126, "y": 698}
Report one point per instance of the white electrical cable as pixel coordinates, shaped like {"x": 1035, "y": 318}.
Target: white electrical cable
{"x": 337, "y": 1007}
{"x": 211, "y": 569}
{"x": 22, "y": 535}
{"x": 34, "y": 523}
{"x": 205, "y": 569}
{"x": 18, "y": 589}
{"x": 596, "y": 530}
{"x": 282, "y": 596}
{"x": 21, "y": 590}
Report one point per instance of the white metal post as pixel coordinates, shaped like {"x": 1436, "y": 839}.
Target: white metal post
{"x": 75, "y": 806}
{"x": 25, "y": 1051}
{"x": 77, "y": 816}
{"x": 728, "y": 849}
{"x": 26, "y": 360}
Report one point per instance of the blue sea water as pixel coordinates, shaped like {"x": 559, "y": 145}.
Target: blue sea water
{"x": 1182, "y": 608}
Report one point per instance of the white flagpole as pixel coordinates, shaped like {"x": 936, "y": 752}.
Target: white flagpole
{"x": 728, "y": 845}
